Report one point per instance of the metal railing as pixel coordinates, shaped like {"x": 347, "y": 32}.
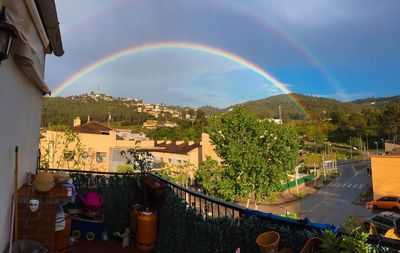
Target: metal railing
{"x": 211, "y": 207}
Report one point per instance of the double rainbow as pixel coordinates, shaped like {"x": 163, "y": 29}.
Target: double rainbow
{"x": 185, "y": 46}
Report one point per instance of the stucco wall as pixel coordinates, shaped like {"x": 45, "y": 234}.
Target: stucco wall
{"x": 385, "y": 175}
{"x": 20, "y": 108}
{"x": 390, "y": 146}
{"x": 208, "y": 148}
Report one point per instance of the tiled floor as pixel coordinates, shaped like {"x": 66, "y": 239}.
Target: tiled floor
{"x": 110, "y": 246}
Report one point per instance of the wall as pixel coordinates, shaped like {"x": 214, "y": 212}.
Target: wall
{"x": 385, "y": 175}
{"x": 20, "y": 110}
{"x": 390, "y": 146}
{"x": 208, "y": 148}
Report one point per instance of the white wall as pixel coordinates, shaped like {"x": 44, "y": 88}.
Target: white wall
{"x": 20, "y": 108}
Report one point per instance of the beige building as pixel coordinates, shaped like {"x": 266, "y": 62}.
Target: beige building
{"x": 390, "y": 145}
{"x": 99, "y": 147}
{"x": 385, "y": 171}
{"x": 36, "y": 33}
{"x": 208, "y": 149}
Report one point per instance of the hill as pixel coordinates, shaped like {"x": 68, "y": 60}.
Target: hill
{"x": 380, "y": 102}
{"x": 319, "y": 107}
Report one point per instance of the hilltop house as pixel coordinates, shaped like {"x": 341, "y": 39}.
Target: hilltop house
{"x": 36, "y": 33}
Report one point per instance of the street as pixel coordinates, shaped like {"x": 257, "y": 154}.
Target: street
{"x": 332, "y": 203}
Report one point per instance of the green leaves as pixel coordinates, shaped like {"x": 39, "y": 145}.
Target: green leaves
{"x": 257, "y": 155}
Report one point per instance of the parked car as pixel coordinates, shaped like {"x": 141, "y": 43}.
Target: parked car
{"x": 383, "y": 221}
{"x": 386, "y": 202}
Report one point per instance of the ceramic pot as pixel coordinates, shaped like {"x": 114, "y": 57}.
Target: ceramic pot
{"x": 44, "y": 182}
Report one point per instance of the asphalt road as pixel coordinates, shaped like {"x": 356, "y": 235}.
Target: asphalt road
{"x": 332, "y": 203}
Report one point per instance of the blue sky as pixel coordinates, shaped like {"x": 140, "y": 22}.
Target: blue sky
{"x": 341, "y": 49}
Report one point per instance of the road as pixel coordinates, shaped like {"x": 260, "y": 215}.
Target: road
{"x": 332, "y": 203}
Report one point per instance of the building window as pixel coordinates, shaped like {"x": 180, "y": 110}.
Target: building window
{"x": 101, "y": 157}
{"x": 68, "y": 155}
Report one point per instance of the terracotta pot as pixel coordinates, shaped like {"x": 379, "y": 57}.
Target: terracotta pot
{"x": 146, "y": 230}
{"x": 268, "y": 242}
{"x": 312, "y": 245}
{"x": 154, "y": 187}
{"x": 44, "y": 182}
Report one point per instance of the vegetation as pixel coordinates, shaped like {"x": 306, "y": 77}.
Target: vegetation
{"x": 62, "y": 150}
{"x": 257, "y": 156}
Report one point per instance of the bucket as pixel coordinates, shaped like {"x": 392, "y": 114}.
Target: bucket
{"x": 268, "y": 242}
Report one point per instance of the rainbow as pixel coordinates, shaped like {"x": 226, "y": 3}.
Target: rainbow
{"x": 180, "y": 45}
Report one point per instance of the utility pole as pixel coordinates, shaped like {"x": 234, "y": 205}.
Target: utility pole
{"x": 109, "y": 116}
{"x": 376, "y": 143}
{"x": 280, "y": 114}
{"x": 366, "y": 137}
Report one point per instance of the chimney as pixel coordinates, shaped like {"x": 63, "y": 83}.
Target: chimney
{"x": 77, "y": 121}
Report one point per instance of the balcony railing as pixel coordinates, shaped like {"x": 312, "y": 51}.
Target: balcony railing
{"x": 186, "y": 215}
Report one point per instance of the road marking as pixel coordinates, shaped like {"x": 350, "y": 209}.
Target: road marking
{"x": 361, "y": 186}
{"x": 349, "y": 185}
{"x": 344, "y": 185}
{"x": 338, "y": 185}
{"x": 334, "y": 185}
{"x": 355, "y": 185}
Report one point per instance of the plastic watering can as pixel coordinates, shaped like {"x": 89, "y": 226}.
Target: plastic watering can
{"x": 92, "y": 201}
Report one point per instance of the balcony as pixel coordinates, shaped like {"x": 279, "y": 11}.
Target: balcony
{"x": 189, "y": 221}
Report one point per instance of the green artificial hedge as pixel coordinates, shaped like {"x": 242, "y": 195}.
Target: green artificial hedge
{"x": 181, "y": 229}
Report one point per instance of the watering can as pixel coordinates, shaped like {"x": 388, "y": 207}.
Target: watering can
{"x": 92, "y": 201}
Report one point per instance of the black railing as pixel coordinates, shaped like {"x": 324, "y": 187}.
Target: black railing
{"x": 211, "y": 207}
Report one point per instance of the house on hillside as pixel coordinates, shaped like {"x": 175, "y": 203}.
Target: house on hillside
{"x": 35, "y": 33}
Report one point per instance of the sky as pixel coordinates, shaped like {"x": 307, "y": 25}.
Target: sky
{"x": 342, "y": 49}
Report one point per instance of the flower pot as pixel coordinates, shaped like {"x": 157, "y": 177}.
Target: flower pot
{"x": 312, "y": 245}
{"x": 133, "y": 212}
{"x": 268, "y": 242}
{"x": 146, "y": 230}
{"x": 44, "y": 182}
{"x": 154, "y": 187}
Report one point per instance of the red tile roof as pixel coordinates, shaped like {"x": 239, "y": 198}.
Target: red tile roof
{"x": 175, "y": 148}
{"x": 92, "y": 127}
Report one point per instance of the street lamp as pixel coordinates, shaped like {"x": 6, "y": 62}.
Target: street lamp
{"x": 376, "y": 143}
{"x": 6, "y": 36}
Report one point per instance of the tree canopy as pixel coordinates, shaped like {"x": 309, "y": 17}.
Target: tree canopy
{"x": 257, "y": 155}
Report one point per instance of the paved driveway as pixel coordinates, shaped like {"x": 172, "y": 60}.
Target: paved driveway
{"x": 332, "y": 203}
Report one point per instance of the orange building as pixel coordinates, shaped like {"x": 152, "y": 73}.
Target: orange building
{"x": 385, "y": 175}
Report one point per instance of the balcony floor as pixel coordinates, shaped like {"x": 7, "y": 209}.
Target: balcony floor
{"x": 84, "y": 246}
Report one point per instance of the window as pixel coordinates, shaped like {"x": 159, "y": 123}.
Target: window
{"x": 101, "y": 157}
{"x": 68, "y": 155}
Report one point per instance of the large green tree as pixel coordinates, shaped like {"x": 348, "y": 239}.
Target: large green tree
{"x": 257, "y": 155}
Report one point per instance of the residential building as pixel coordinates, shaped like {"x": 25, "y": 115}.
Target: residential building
{"x": 208, "y": 148}
{"x": 22, "y": 86}
{"x": 385, "y": 172}
{"x": 100, "y": 146}
{"x": 151, "y": 124}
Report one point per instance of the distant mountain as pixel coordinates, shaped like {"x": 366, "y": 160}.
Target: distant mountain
{"x": 318, "y": 106}
{"x": 210, "y": 110}
{"x": 377, "y": 102}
